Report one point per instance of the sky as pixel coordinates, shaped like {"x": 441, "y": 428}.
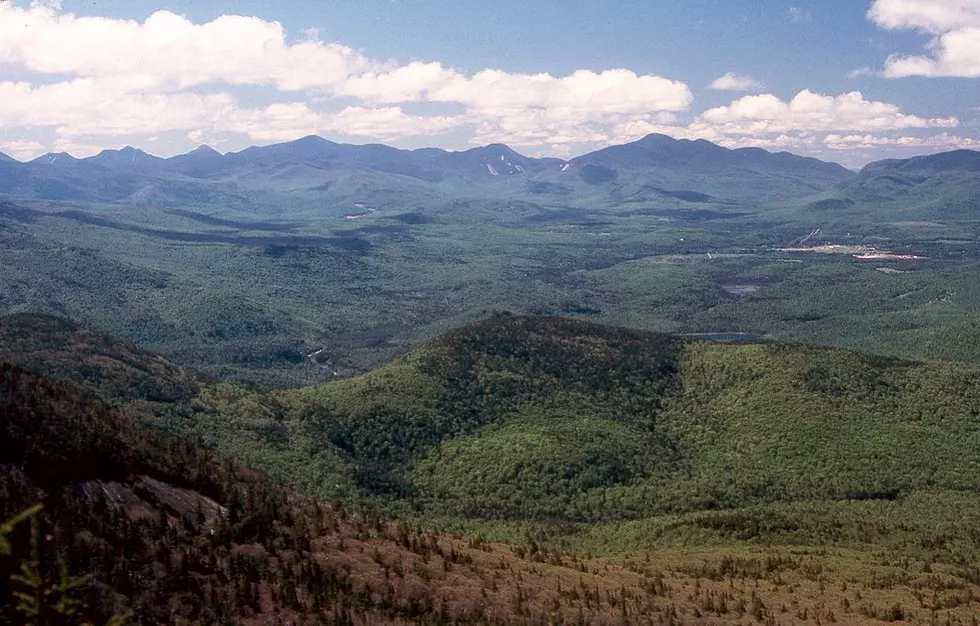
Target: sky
{"x": 850, "y": 81}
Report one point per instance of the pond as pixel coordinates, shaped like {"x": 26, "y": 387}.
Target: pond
{"x": 740, "y": 290}
{"x": 729, "y": 337}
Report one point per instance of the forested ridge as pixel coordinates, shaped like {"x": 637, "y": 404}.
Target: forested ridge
{"x": 558, "y": 436}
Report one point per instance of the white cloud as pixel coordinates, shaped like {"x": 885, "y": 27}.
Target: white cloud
{"x": 735, "y": 82}
{"x": 943, "y": 141}
{"x": 811, "y": 112}
{"x": 124, "y": 78}
{"x": 582, "y": 93}
{"x": 954, "y": 49}
{"x": 408, "y": 83}
{"x": 171, "y": 51}
{"x": 797, "y": 142}
{"x": 21, "y": 149}
{"x": 528, "y": 109}
{"x": 931, "y": 16}
{"x": 88, "y": 106}
{"x": 536, "y": 110}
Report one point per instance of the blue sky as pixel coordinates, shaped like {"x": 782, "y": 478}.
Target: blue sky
{"x": 845, "y": 80}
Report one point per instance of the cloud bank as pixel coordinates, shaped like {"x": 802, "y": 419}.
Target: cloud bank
{"x": 121, "y": 77}
{"x": 90, "y": 82}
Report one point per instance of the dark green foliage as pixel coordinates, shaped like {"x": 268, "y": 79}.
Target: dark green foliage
{"x": 556, "y": 419}
{"x": 552, "y": 419}
{"x": 138, "y": 529}
{"x": 597, "y": 174}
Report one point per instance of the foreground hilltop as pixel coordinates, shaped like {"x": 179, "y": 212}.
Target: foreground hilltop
{"x": 540, "y": 418}
{"x": 551, "y": 418}
{"x": 783, "y": 482}
{"x": 152, "y": 530}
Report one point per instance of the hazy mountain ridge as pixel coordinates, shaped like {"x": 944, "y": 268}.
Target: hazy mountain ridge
{"x": 313, "y": 161}
{"x": 944, "y": 186}
{"x": 313, "y": 171}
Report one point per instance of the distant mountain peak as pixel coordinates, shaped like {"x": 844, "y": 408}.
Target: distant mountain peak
{"x": 657, "y": 138}
{"x": 310, "y": 140}
{"x": 204, "y": 149}
{"x": 128, "y": 151}
{"x": 125, "y": 157}
{"x": 6, "y": 158}
{"x": 497, "y": 152}
{"x": 502, "y": 147}
{"x": 52, "y": 158}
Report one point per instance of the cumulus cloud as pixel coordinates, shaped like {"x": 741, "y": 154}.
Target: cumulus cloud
{"x": 583, "y": 93}
{"x": 124, "y": 77}
{"x": 931, "y": 16}
{"x": 954, "y": 49}
{"x": 528, "y": 109}
{"x": 797, "y": 142}
{"x": 812, "y": 112}
{"x": 735, "y": 82}
{"x": 171, "y": 51}
{"x": 943, "y": 141}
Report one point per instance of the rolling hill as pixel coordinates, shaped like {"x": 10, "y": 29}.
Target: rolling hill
{"x": 784, "y": 483}
{"x": 138, "y": 529}
{"x": 579, "y": 422}
{"x": 943, "y": 187}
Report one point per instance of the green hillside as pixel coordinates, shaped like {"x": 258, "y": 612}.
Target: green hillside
{"x": 726, "y": 461}
{"x": 543, "y": 418}
{"x": 551, "y": 419}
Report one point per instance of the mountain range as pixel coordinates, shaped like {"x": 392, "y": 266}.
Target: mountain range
{"x": 311, "y": 171}
{"x": 655, "y": 164}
